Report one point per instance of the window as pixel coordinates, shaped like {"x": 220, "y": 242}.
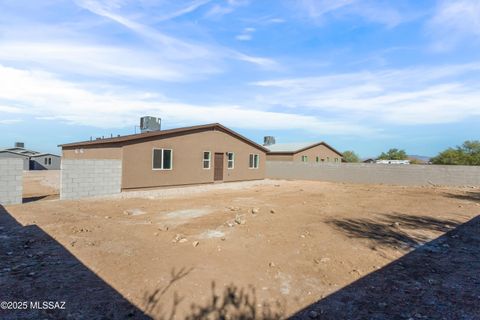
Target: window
{"x": 207, "y": 159}
{"x": 162, "y": 159}
{"x": 254, "y": 161}
{"x": 317, "y": 159}
{"x": 336, "y": 159}
{"x": 328, "y": 159}
{"x": 49, "y": 161}
{"x": 230, "y": 160}
{"x": 45, "y": 160}
{"x": 304, "y": 158}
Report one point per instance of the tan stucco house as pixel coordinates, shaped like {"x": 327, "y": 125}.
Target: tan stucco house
{"x": 303, "y": 152}
{"x": 191, "y": 155}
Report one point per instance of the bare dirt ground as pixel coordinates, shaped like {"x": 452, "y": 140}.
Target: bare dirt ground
{"x": 299, "y": 249}
{"x": 41, "y": 185}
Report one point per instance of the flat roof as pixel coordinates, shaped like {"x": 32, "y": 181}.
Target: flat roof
{"x": 162, "y": 134}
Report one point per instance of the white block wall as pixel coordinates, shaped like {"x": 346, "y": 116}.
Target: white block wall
{"x": 11, "y": 175}
{"x": 90, "y": 178}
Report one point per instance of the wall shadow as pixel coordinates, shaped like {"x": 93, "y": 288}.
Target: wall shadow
{"x": 438, "y": 280}
{"x": 35, "y": 267}
{"x": 469, "y": 196}
{"x": 395, "y": 230}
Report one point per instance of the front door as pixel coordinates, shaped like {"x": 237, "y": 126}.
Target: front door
{"x": 218, "y": 167}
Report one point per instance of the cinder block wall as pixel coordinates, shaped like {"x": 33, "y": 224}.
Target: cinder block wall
{"x": 11, "y": 177}
{"x": 376, "y": 173}
{"x": 90, "y": 178}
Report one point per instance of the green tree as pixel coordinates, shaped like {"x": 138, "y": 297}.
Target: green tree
{"x": 393, "y": 154}
{"x": 350, "y": 156}
{"x": 467, "y": 154}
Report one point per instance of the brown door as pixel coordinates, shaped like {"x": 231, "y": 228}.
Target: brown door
{"x": 218, "y": 167}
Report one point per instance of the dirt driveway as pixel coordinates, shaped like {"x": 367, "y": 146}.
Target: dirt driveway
{"x": 289, "y": 244}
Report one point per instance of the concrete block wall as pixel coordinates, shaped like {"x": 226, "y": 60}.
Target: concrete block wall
{"x": 11, "y": 179}
{"x": 90, "y": 178}
{"x": 414, "y": 175}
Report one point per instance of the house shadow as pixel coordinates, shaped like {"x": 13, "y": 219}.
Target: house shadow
{"x": 438, "y": 280}
{"x": 34, "y": 267}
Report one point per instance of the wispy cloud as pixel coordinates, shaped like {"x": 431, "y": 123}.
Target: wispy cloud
{"x": 454, "y": 22}
{"x": 373, "y": 11}
{"x": 219, "y": 10}
{"x": 9, "y": 121}
{"x": 174, "y": 47}
{"x": 246, "y": 34}
{"x": 422, "y": 95}
{"x": 42, "y": 94}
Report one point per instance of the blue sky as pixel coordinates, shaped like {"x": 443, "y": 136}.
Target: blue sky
{"x": 361, "y": 75}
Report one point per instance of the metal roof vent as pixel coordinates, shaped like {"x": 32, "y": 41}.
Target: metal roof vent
{"x": 19, "y": 145}
{"x": 268, "y": 140}
{"x": 148, "y": 124}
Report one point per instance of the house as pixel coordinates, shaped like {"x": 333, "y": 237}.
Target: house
{"x": 45, "y": 161}
{"x": 301, "y": 152}
{"x": 191, "y": 155}
{"x": 369, "y": 160}
{"x": 32, "y": 160}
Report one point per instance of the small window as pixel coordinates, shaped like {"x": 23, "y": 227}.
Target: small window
{"x": 45, "y": 160}
{"x": 328, "y": 159}
{"x": 317, "y": 159}
{"x": 162, "y": 159}
{"x": 336, "y": 159}
{"x": 304, "y": 158}
{"x": 230, "y": 160}
{"x": 49, "y": 161}
{"x": 254, "y": 161}
{"x": 207, "y": 159}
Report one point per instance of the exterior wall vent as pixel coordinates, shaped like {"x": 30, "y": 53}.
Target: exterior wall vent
{"x": 268, "y": 140}
{"x": 148, "y": 124}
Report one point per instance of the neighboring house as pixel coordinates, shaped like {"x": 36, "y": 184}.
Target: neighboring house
{"x": 192, "y": 155}
{"x": 32, "y": 160}
{"x": 302, "y": 152}
{"x": 45, "y": 161}
{"x": 11, "y": 154}
{"x": 369, "y": 160}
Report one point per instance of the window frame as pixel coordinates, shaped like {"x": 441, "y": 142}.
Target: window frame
{"x": 209, "y": 160}
{"x": 163, "y": 157}
{"x": 305, "y": 157}
{"x": 256, "y": 164}
{"x": 49, "y": 161}
{"x": 232, "y": 161}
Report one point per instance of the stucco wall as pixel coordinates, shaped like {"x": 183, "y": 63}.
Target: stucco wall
{"x": 93, "y": 152}
{"x": 11, "y": 173}
{"x": 89, "y": 178}
{"x": 320, "y": 151}
{"x": 187, "y": 160}
{"x": 376, "y": 173}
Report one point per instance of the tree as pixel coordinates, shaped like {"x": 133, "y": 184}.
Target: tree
{"x": 467, "y": 154}
{"x": 350, "y": 156}
{"x": 393, "y": 154}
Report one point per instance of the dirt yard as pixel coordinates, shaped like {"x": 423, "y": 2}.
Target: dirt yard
{"x": 268, "y": 251}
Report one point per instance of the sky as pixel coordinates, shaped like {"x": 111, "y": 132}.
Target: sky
{"x": 362, "y": 75}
